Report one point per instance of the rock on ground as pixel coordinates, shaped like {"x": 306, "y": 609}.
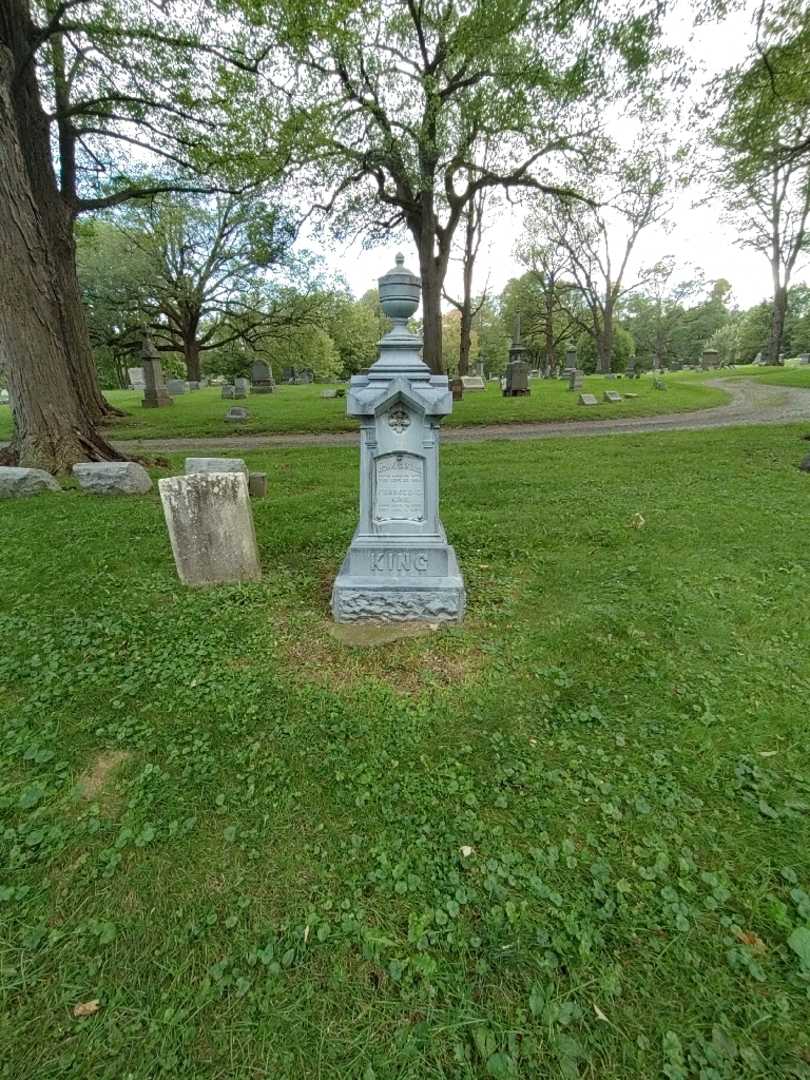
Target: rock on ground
{"x": 16, "y": 483}
{"x": 112, "y": 477}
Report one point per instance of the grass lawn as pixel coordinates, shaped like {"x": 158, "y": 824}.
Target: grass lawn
{"x": 571, "y": 839}
{"x": 793, "y": 376}
{"x": 301, "y": 408}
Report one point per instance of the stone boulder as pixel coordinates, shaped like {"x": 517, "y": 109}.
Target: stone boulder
{"x": 112, "y": 477}
{"x": 16, "y": 483}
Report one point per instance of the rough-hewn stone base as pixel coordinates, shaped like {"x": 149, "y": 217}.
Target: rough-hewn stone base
{"x": 395, "y": 599}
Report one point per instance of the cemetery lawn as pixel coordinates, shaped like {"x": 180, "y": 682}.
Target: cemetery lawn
{"x": 301, "y": 408}
{"x": 570, "y": 839}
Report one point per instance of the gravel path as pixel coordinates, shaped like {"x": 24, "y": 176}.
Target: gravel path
{"x": 751, "y": 403}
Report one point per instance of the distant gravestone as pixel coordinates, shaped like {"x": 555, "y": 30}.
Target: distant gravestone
{"x": 17, "y": 483}
{"x": 457, "y": 389}
{"x": 236, "y": 414}
{"x": 611, "y": 396}
{"x": 155, "y": 395}
{"x": 257, "y": 485}
{"x": 193, "y": 385}
{"x": 176, "y": 386}
{"x": 710, "y": 359}
{"x": 659, "y": 384}
{"x": 331, "y": 393}
{"x": 575, "y": 379}
{"x": 473, "y": 382}
{"x": 631, "y": 395}
{"x": 804, "y": 358}
{"x": 4, "y": 397}
{"x": 112, "y": 477}
{"x": 261, "y": 378}
{"x": 137, "y": 380}
{"x": 588, "y": 399}
{"x": 227, "y": 392}
{"x": 517, "y": 379}
{"x": 211, "y": 528}
{"x": 214, "y": 464}
{"x": 241, "y": 388}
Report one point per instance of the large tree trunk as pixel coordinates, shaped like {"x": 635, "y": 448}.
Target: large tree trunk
{"x": 777, "y": 325}
{"x": 191, "y": 355}
{"x": 40, "y": 318}
{"x": 432, "y": 270}
{"x": 604, "y": 341}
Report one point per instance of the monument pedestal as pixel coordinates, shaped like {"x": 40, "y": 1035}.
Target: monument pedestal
{"x": 399, "y": 567}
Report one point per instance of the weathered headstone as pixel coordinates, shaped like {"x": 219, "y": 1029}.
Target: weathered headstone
{"x": 137, "y": 380}
{"x": 257, "y": 485}
{"x": 155, "y": 395}
{"x": 227, "y": 392}
{"x": 588, "y": 399}
{"x": 236, "y": 414}
{"x": 473, "y": 382}
{"x": 4, "y": 397}
{"x": 241, "y": 388}
{"x": 176, "y": 386}
{"x": 631, "y": 395}
{"x": 211, "y": 528}
{"x": 612, "y": 396}
{"x": 193, "y": 385}
{"x": 17, "y": 483}
{"x": 457, "y": 389}
{"x": 329, "y": 393}
{"x": 804, "y": 358}
{"x": 112, "y": 477}
{"x": 214, "y": 464}
{"x": 261, "y": 378}
{"x": 575, "y": 379}
{"x": 399, "y": 567}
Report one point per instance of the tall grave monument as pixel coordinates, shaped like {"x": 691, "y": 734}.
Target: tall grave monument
{"x": 517, "y": 370}
{"x": 399, "y": 567}
{"x": 155, "y": 394}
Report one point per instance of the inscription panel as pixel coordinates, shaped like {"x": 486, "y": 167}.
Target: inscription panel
{"x": 399, "y": 488}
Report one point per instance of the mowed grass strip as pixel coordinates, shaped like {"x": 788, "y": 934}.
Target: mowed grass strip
{"x": 568, "y": 839}
{"x": 301, "y": 408}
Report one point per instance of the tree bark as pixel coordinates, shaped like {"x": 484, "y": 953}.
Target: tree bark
{"x": 191, "y": 355}
{"x": 40, "y": 315}
{"x": 777, "y": 325}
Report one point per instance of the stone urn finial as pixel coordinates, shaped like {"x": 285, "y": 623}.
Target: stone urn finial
{"x": 399, "y": 292}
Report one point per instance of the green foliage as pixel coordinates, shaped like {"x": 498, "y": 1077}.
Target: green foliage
{"x": 261, "y": 852}
{"x": 624, "y": 348}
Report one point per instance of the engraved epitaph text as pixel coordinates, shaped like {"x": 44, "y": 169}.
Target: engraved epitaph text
{"x": 399, "y": 488}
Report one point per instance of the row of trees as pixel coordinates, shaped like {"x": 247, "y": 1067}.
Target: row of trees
{"x": 381, "y": 115}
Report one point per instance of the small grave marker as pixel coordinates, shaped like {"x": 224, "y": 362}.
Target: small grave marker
{"x": 236, "y": 414}
{"x": 612, "y": 396}
{"x": 588, "y": 399}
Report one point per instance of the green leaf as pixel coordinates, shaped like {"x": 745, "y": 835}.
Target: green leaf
{"x": 799, "y": 941}
{"x": 30, "y": 797}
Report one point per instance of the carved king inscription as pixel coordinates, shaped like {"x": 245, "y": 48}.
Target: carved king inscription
{"x": 399, "y": 490}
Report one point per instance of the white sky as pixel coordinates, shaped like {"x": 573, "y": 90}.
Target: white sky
{"x": 697, "y": 237}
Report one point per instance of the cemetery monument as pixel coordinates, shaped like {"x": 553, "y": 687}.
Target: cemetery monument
{"x": 517, "y": 370}
{"x": 399, "y": 567}
{"x": 155, "y": 395}
{"x": 261, "y": 378}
